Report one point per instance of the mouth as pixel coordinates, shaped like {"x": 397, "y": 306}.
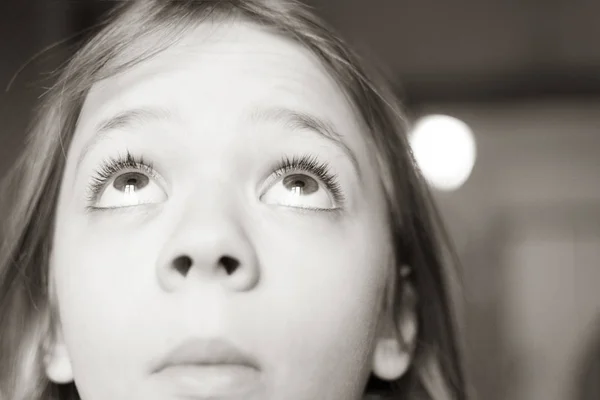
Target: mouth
{"x": 208, "y": 369}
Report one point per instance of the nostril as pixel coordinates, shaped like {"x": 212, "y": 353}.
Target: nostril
{"x": 182, "y": 264}
{"x": 230, "y": 264}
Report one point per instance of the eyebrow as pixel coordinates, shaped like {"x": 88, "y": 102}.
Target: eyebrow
{"x": 136, "y": 116}
{"x": 292, "y": 119}
{"x": 296, "y": 120}
{"x": 123, "y": 120}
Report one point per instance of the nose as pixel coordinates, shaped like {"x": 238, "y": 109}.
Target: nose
{"x": 214, "y": 248}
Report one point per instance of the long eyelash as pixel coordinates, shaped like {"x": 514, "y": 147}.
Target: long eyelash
{"x": 311, "y": 164}
{"x": 112, "y": 166}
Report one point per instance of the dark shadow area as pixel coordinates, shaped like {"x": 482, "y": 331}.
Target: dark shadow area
{"x": 588, "y": 384}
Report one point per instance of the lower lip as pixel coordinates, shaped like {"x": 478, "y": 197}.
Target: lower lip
{"x": 211, "y": 381}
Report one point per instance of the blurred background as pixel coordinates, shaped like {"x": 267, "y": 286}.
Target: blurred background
{"x": 518, "y": 181}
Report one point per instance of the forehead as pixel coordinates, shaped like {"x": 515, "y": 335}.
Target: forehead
{"x": 230, "y": 65}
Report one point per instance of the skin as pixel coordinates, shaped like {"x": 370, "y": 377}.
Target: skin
{"x": 306, "y": 297}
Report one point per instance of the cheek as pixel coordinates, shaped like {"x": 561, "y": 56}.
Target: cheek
{"x": 99, "y": 272}
{"x": 101, "y": 290}
{"x": 328, "y": 293}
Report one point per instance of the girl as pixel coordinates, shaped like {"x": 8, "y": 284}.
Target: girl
{"x": 218, "y": 202}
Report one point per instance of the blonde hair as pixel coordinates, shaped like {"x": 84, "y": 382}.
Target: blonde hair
{"x": 26, "y": 313}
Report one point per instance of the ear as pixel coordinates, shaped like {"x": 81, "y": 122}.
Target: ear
{"x": 56, "y": 360}
{"x": 397, "y": 334}
{"x": 57, "y": 363}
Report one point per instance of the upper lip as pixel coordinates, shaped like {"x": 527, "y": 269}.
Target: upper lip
{"x": 196, "y": 351}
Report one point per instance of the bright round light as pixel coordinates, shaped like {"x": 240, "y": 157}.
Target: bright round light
{"x": 444, "y": 148}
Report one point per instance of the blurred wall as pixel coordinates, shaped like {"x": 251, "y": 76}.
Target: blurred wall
{"x": 527, "y": 227}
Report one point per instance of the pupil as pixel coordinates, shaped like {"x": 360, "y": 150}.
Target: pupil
{"x": 301, "y": 184}
{"x": 130, "y": 182}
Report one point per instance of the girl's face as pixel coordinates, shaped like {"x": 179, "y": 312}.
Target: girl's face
{"x": 221, "y": 233}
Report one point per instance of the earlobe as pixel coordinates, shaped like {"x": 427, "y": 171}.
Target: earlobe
{"x": 57, "y": 363}
{"x": 394, "y": 347}
{"x": 390, "y": 361}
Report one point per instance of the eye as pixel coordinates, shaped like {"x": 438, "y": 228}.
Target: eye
{"x": 304, "y": 182}
{"x": 124, "y": 182}
{"x": 131, "y": 189}
{"x": 298, "y": 190}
